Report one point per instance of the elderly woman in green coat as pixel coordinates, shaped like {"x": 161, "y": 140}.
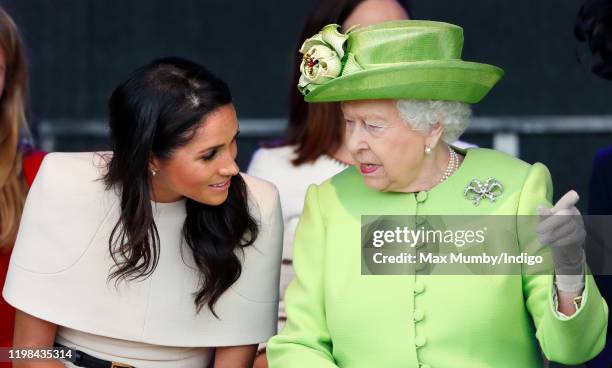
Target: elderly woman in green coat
{"x": 406, "y": 94}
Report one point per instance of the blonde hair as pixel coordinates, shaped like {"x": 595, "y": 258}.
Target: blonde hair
{"x": 13, "y": 188}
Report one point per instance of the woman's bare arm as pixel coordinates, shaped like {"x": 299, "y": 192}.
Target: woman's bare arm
{"x": 235, "y": 356}
{"x": 32, "y": 333}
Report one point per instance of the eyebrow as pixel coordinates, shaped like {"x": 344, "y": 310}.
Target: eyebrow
{"x": 219, "y": 145}
{"x": 379, "y": 119}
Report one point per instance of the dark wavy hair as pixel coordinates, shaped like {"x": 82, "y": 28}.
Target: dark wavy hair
{"x": 315, "y": 129}
{"x": 594, "y": 26}
{"x": 150, "y": 115}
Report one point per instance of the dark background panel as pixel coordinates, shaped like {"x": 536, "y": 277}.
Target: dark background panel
{"x": 568, "y": 157}
{"x": 80, "y": 50}
{"x": 533, "y": 42}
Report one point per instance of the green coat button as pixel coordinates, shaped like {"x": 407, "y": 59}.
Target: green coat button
{"x": 419, "y": 341}
{"x": 421, "y": 196}
{"x": 419, "y": 287}
{"x": 418, "y": 315}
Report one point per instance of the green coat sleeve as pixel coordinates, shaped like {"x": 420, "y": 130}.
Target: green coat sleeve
{"x": 305, "y": 341}
{"x": 580, "y": 337}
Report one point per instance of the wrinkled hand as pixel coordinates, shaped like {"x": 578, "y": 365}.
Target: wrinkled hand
{"x": 562, "y": 228}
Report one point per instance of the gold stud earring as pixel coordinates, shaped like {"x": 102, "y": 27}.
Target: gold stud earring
{"x": 427, "y": 150}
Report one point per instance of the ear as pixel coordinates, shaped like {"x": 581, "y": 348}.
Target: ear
{"x": 154, "y": 163}
{"x": 434, "y": 135}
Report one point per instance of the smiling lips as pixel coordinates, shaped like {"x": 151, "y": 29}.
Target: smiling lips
{"x": 368, "y": 168}
{"x": 221, "y": 186}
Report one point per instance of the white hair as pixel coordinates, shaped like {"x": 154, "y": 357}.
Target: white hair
{"x": 424, "y": 114}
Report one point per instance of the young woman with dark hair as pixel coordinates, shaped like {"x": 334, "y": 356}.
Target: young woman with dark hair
{"x": 159, "y": 251}
{"x": 19, "y": 162}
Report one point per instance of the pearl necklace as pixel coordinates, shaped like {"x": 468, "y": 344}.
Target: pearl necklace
{"x": 453, "y": 164}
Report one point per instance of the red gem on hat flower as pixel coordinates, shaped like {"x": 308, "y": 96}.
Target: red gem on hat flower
{"x": 311, "y": 62}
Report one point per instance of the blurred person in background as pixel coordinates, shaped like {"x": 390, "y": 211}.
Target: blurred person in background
{"x": 18, "y": 161}
{"x": 313, "y": 149}
{"x": 594, "y": 27}
{"x": 159, "y": 253}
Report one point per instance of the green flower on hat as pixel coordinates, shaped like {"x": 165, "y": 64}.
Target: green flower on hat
{"x": 322, "y": 60}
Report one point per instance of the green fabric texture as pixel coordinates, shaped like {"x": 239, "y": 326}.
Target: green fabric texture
{"x": 338, "y": 317}
{"x": 406, "y": 59}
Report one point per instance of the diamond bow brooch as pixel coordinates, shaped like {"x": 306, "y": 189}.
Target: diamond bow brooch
{"x": 476, "y": 190}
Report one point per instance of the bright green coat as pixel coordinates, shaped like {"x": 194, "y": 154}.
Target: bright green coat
{"x": 340, "y": 318}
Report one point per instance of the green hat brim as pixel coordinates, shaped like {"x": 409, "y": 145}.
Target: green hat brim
{"x": 450, "y": 80}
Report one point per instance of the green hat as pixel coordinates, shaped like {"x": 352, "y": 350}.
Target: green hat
{"x": 405, "y": 59}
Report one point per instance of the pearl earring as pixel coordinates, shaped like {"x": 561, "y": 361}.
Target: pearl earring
{"x": 427, "y": 150}
{"x": 153, "y": 172}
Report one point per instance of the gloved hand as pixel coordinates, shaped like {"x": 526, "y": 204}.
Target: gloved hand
{"x": 562, "y": 228}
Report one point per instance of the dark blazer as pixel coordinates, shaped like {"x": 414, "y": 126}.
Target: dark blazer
{"x": 600, "y": 196}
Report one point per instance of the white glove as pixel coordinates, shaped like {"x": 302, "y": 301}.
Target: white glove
{"x": 562, "y": 228}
